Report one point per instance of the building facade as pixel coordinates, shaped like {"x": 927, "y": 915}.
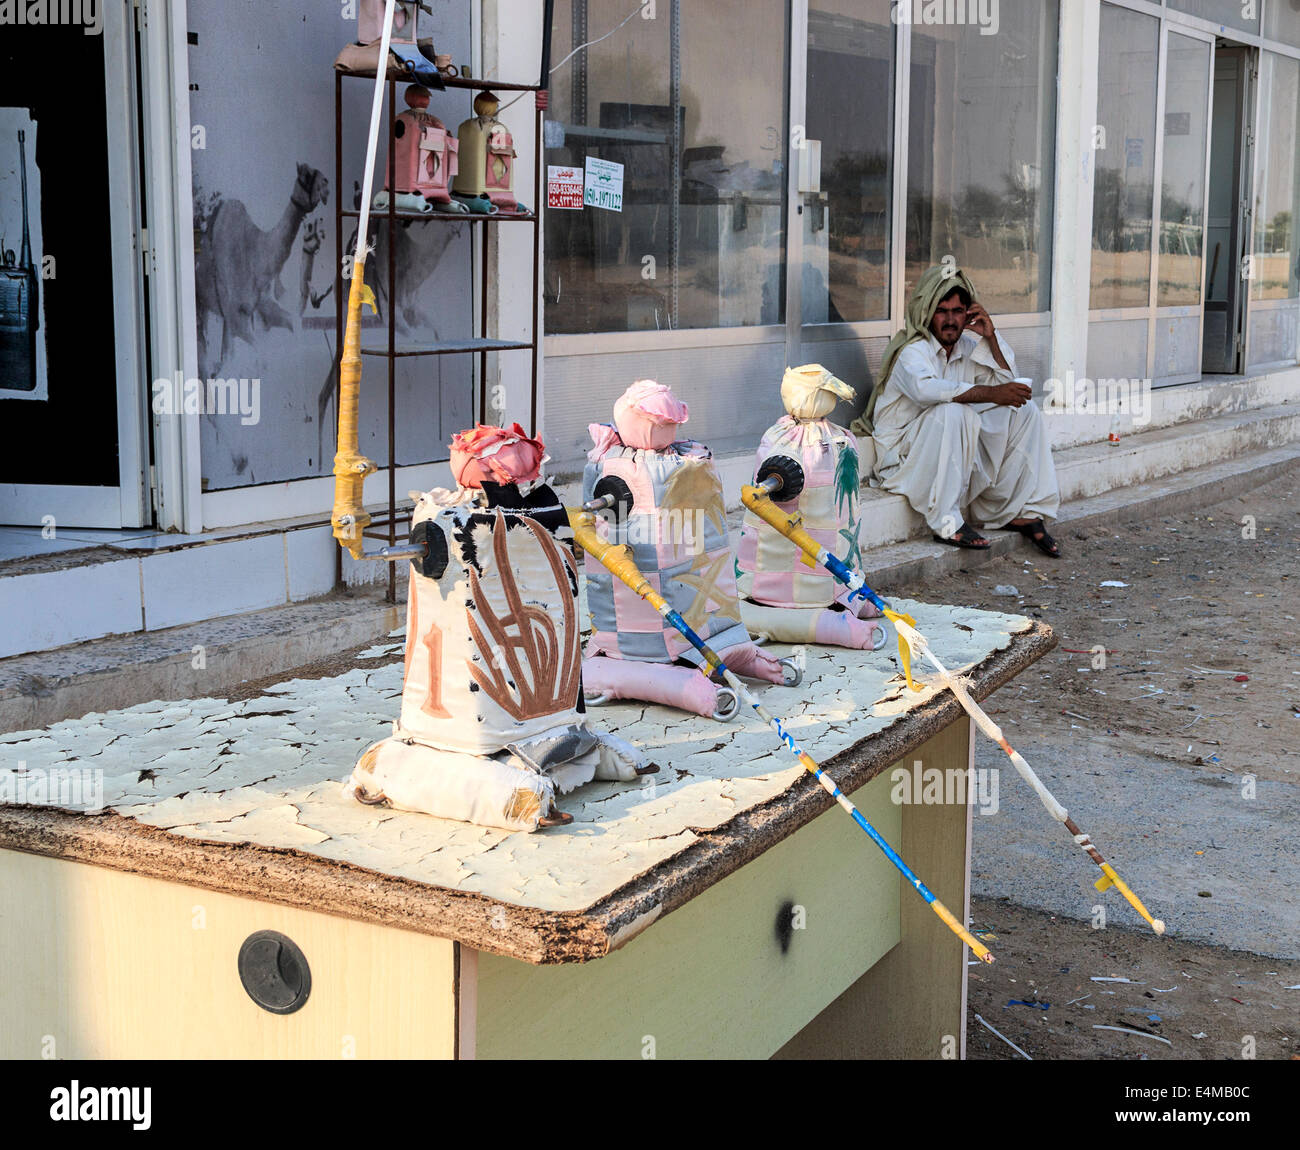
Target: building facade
{"x": 1118, "y": 178}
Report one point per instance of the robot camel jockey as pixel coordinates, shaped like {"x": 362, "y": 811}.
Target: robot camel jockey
{"x": 667, "y": 499}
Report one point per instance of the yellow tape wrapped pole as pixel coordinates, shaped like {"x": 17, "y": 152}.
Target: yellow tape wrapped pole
{"x": 349, "y": 519}
{"x": 910, "y": 641}
{"x": 618, "y": 560}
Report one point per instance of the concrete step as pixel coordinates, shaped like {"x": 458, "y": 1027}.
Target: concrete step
{"x": 1095, "y": 468}
{"x": 207, "y": 658}
{"x": 895, "y": 566}
{"x": 86, "y": 585}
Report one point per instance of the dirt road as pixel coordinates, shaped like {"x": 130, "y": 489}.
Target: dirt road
{"x": 1168, "y": 720}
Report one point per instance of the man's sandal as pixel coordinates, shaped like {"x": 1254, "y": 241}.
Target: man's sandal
{"x": 1036, "y": 532}
{"x": 967, "y": 537}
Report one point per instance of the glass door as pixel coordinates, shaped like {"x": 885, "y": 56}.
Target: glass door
{"x": 1182, "y": 167}
{"x": 73, "y": 409}
{"x": 1222, "y": 339}
{"x": 844, "y": 136}
{"x": 915, "y": 143}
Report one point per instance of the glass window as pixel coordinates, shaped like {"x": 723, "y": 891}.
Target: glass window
{"x": 1242, "y": 14}
{"x": 700, "y": 240}
{"x": 981, "y": 128}
{"x": 1282, "y": 21}
{"x": 1275, "y": 249}
{"x": 1182, "y": 182}
{"x": 850, "y": 112}
{"x": 1124, "y": 153}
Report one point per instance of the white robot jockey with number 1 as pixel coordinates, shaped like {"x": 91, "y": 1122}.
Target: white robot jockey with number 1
{"x": 668, "y": 508}
{"x": 785, "y": 597}
{"x": 492, "y": 725}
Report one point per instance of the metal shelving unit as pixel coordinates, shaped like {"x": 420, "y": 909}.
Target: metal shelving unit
{"x": 384, "y": 526}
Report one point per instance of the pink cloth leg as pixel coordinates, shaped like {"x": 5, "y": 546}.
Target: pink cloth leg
{"x": 681, "y": 687}
{"x": 862, "y": 608}
{"x": 752, "y": 662}
{"x": 844, "y": 629}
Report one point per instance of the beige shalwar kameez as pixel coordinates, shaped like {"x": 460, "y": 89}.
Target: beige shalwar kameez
{"x": 943, "y": 456}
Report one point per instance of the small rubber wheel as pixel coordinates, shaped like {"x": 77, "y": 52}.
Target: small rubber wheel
{"x": 788, "y": 471}
{"x": 622, "y": 493}
{"x": 791, "y": 673}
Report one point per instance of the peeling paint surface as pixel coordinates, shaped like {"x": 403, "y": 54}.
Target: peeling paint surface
{"x": 268, "y": 771}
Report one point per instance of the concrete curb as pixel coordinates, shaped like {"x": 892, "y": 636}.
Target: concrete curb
{"x": 900, "y": 564}
{"x": 103, "y": 674}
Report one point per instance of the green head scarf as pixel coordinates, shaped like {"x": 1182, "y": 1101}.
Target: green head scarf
{"x": 936, "y": 284}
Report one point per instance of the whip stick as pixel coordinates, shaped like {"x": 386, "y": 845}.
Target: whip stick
{"x": 619, "y": 562}
{"x": 349, "y": 519}
{"x": 759, "y": 500}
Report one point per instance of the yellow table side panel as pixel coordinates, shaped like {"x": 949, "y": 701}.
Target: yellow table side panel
{"x": 710, "y": 979}
{"x": 103, "y": 964}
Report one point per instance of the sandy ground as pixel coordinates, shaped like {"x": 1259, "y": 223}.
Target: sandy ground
{"x": 1206, "y": 1002}
{"x": 1155, "y": 665}
{"x": 1180, "y": 755}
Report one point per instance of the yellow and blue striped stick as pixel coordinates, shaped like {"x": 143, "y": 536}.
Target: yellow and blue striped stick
{"x": 619, "y": 562}
{"x": 759, "y": 500}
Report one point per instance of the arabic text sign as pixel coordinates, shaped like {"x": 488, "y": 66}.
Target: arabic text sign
{"x": 604, "y": 185}
{"x": 563, "y": 187}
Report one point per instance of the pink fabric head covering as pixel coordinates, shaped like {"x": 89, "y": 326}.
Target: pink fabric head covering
{"x": 495, "y": 454}
{"x": 647, "y": 415}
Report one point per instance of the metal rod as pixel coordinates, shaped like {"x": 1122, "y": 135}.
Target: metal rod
{"x": 340, "y": 253}
{"x": 483, "y": 328}
{"x": 393, "y": 553}
{"x": 391, "y": 595}
{"x": 537, "y": 312}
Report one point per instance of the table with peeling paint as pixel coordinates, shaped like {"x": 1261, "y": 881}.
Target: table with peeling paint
{"x": 723, "y": 907}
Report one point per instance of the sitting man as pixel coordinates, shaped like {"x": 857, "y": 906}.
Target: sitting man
{"x": 952, "y": 426}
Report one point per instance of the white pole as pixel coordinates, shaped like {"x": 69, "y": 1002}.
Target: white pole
{"x": 372, "y": 143}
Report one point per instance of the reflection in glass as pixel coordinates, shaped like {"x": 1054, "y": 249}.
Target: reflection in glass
{"x": 1182, "y": 182}
{"x": 1124, "y": 154}
{"x": 982, "y": 122}
{"x": 1233, "y": 13}
{"x": 700, "y": 241}
{"x": 1282, "y": 22}
{"x": 1275, "y": 273}
{"x": 850, "y": 111}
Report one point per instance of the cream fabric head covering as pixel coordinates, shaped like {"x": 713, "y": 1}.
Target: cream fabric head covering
{"x": 811, "y": 392}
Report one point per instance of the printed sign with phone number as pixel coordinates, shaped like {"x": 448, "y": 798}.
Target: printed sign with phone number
{"x": 604, "y": 185}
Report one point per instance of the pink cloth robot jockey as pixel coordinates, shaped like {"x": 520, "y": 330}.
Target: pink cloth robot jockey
{"x": 677, "y": 530}
{"x": 782, "y": 597}
{"x": 492, "y": 722}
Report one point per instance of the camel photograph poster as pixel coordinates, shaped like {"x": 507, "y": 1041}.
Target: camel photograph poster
{"x": 266, "y": 249}
{"x": 22, "y": 329}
